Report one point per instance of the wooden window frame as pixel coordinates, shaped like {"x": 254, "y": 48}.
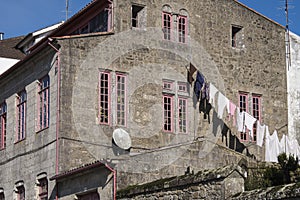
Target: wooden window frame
{"x": 43, "y": 103}
{"x": 3, "y": 122}
{"x": 104, "y": 97}
{"x": 21, "y": 116}
{"x": 121, "y": 92}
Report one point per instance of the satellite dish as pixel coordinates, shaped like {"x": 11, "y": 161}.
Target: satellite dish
{"x": 122, "y": 138}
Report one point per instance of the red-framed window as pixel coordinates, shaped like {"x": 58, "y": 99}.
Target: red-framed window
{"x": 21, "y": 115}
{"x": 182, "y": 87}
{"x": 89, "y": 196}
{"x": 43, "y": 103}
{"x": 104, "y": 98}
{"x": 167, "y": 85}
{"x": 43, "y": 189}
{"x": 3, "y": 115}
{"x": 167, "y": 25}
{"x": 182, "y": 115}
{"x": 182, "y": 29}
{"x": 243, "y": 103}
{"x": 168, "y": 113}
{"x": 20, "y": 193}
{"x": 121, "y": 99}
{"x": 256, "y": 112}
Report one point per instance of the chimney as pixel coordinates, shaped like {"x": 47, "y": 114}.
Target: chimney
{"x": 1, "y": 35}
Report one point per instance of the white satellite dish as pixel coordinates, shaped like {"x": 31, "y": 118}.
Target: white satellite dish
{"x": 122, "y": 138}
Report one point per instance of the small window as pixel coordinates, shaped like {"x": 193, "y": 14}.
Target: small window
{"x": 21, "y": 115}
{"x": 182, "y": 87}
{"x": 43, "y": 189}
{"x": 236, "y": 36}
{"x": 167, "y": 85}
{"x": 138, "y": 16}
{"x": 3, "y": 111}
{"x": 20, "y": 192}
{"x": 2, "y": 197}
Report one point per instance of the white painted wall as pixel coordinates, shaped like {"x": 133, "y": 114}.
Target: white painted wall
{"x": 293, "y": 84}
{"x": 6, "y": 63}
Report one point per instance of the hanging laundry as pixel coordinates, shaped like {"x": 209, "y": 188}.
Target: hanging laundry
{"x": 267, "y": 145}
{"x": 240, "y": 116}
{"x": 198, "y": 84}
{"x": 191, "y": 73}
{"x": 204, "y": 105}
{"x": 222, "y": 103}
{"x": 212, "y": 93}
{"x": 231, "y": 112}
{"x": 274, "y": 147}
{"x": 260, "y": 132}
{"x": 249, "y": 122}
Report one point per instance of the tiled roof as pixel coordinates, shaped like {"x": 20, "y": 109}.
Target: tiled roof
{"x": 78, "y": 169}
{"x": 7, "y": 48}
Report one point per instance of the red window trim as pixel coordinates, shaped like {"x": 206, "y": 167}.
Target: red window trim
{"x": 181, "y": 126}
{"x": 243, "y": 105}
{"x": 182, "y": 27}
{"x": 256, "y": 107}
{"x": 167, "y": 35}
{"x": 106, "y": 98}
{"x": 3, "y": 121}
{"x": 21, "y": 116}
{"x": 168, "y": 115}
{"x": 119, "y": 91}
{"x": 43, "y": 110}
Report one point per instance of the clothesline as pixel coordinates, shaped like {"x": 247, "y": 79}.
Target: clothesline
{"x": 242, "y": 120}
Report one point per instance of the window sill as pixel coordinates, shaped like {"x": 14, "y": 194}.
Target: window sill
{"x": 19, "y": 141}
{"x": 40, "y": 130}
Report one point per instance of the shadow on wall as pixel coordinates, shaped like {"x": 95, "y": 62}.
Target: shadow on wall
{"x": 85, "y": 184}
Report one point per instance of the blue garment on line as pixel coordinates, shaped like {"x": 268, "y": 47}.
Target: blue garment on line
{"x": 198, "y": 84}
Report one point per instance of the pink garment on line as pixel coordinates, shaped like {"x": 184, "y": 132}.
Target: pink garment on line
{"x": 231, "y": 111}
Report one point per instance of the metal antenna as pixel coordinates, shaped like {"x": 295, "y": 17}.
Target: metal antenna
{"x": 67, "y": 9}
{"x": 287, "y": 40}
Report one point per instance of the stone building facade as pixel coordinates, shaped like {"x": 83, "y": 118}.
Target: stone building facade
{"x": 115, "y": 74}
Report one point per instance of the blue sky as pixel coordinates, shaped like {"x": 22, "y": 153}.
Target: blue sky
{"x": 20, "y": 17}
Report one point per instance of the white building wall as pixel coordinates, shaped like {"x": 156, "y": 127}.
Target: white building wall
{"x": 6, "y": 63}
{"x": 293, "y": 81}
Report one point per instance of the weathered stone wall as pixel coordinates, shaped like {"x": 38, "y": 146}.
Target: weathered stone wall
{"x": 24, "y": 160}
{"x": 257, "y": 67}
{"x": 293, "y": 87}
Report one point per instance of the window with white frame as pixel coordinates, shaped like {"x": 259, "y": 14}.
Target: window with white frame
{"x": 3, "y": 113}
{"x": 21, "y": 115}
{"x": 43, "y": 103}
{"x": 121, "y": 99}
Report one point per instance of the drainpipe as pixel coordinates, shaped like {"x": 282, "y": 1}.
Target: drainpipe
{"x": 115, "y": 180}
{"x": 57, "y": 110}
